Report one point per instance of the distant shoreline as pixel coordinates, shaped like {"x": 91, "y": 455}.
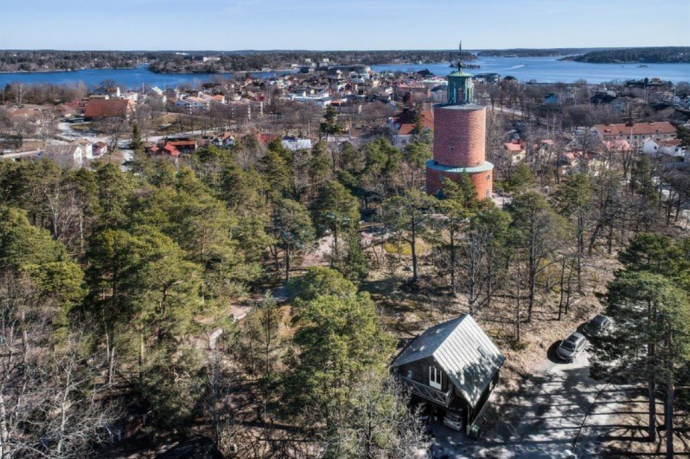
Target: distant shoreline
{"x": 29, "y": 72}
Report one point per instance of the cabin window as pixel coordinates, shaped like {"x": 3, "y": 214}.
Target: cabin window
{"x": 435, "y": 377}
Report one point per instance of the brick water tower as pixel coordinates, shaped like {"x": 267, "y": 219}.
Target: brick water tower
{"x": 460, "y": 139}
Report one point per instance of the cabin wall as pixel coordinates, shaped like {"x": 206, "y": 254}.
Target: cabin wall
{"x": 420, "y": 373}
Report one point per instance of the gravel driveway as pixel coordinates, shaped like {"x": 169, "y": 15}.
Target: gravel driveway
{"x": 560, "y": 412}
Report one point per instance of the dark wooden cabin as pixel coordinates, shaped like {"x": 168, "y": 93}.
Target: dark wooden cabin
{"x": 453, "y": 365}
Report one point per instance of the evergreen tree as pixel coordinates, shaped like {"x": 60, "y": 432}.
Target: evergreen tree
{"x": 354, "y": 266}
{"x": 330, "y": 124}
{"x": 23, "y": 244}
{"x": 137, "y": 144}
{"x": 317, "y": 281}
{"x": 574, "y": 200}
{"x": 408, "y": 217}
{"x": 292, "y": 230}
{"x": 339, "y": 341}
{"x": 651, "y": 341}
{"x": 538, "y": 232}
{"x": 337, "y": 211}
{"x": 520, "y": 179}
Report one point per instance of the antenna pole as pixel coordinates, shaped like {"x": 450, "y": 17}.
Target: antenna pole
{"x": 460, "y": 56}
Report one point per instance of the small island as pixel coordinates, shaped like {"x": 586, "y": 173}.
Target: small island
{"x": 526, "y": 52}
{"x": 658, "y": 55}
{"x": 65, "y": 61}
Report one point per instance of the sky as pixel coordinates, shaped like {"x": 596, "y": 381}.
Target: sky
{"x": 334, "y": 25}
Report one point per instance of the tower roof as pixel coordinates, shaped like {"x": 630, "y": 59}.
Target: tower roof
{"x": 460, "y": 72}
{"x": 460, "y": 87}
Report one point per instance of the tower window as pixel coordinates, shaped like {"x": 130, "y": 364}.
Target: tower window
{"x": 488, "y": 177}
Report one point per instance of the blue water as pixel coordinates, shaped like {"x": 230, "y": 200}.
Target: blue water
{"x": 541, "y": 69}
{"x": 126, "y": 78}
{"x": 551, "y": 70}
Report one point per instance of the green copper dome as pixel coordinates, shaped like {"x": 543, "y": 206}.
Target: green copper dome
{"x": 460, "y": 86}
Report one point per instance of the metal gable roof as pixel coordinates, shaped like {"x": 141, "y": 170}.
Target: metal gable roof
{"x": 464, "y": 352}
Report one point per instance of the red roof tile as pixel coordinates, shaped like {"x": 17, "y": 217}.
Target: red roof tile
{"x": 108, "y": 108}
{"x": 609, "y": 130}
{"x": 406, "y": 121}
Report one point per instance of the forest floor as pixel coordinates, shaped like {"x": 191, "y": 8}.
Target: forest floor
{"x": 543, "y": 408}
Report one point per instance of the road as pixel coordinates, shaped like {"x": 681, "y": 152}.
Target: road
{"x": 560, "y": 412}
{"x": 516, "y": 113}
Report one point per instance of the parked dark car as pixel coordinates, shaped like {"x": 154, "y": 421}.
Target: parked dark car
{"x": 598, "y": 325}
{"x": 571, "y": 347}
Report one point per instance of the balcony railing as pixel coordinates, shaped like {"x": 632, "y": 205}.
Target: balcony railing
{"x": 427, "y": 392}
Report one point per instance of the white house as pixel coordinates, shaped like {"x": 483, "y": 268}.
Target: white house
{"x": 192, "y": 102}
{"x": 131, "y": 95}
{"x": 295, "y": 143}
{"x": 86, "y": 146}
{"x": 657, "y": 147}
{"x": 71, "y": 156}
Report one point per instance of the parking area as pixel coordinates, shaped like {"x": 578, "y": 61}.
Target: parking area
{"x": 560, "y": 412}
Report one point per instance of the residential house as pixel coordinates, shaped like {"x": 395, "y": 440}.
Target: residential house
{"x": 515, "y": 151}
{"x": 413, "y": 89}
{"x": 108, "y": 91}
{"x": 616, "y": 145}
{"x": 99, "y": 149}
{"x": 403, "y": 124}
{"x": 192, "y": 103}
{"x": 603, "y": 97}
{"x": 165, "y": 151}
{"x": 636, "y": 133}
{"x": 86, "y": 146}
{"x": 183, "y": 145}
{"x": 224, "y": 140}
{"x": 131, "y": 95}
{"x": 295, "y": 143}
{"x": 172, "y": 94}
{"x": 71, "y": 156}
{"x": 108, "y": 108}
{"x": 487, "y": 77}
{"x": 657, "y": 148}
{"x": 454, "y": 366}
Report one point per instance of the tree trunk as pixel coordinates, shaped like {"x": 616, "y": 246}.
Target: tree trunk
{"x": 580, "y": 249}
{"x": 111, "y": 365}
{"x": 413, "y": 247}
{"x": 336, "y": 256}
{"x": 142, "y": 352}
{"x": 652, "y": 411}
{"x": 560, "y": 301}
{"x": 670, "y": 394}
{"x": 4, "y": 430}
{"x": 453, "y": 282}
{"x": 489, "y": 282}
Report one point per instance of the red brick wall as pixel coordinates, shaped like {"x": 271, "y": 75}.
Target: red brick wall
{"x": 479, "y": 179}
{"x": 459, "y": 136}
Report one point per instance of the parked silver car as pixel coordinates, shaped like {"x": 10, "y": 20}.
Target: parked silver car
{"x": 571, "y": 347}
{"x": 598, "y": 325}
